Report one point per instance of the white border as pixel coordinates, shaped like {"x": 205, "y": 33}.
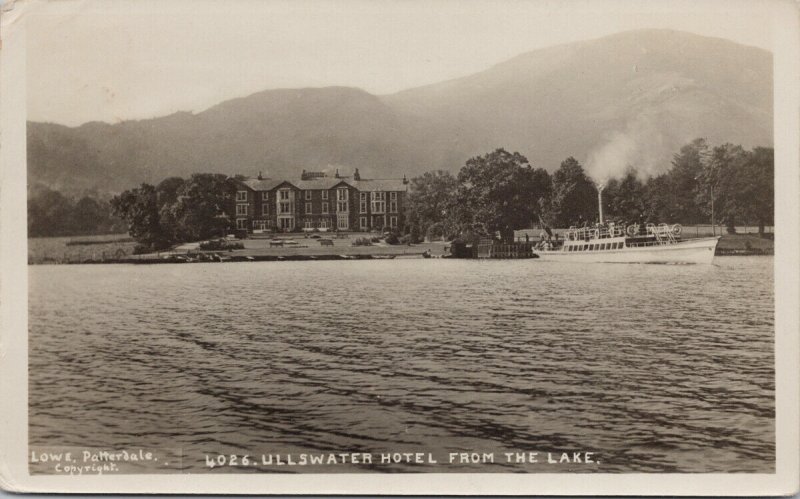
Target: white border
{"x": 13, "y": 335}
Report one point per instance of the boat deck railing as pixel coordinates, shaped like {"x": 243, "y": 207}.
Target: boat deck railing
{"x": 661, "y": 232}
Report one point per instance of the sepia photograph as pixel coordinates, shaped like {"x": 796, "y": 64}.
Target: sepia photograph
{"x": 301, "y": 246}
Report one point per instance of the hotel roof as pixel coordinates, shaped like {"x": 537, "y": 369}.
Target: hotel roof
{"x": 265, "y": 184}
{"x": 388, "y": 184}
{"x": 364, "y": 185}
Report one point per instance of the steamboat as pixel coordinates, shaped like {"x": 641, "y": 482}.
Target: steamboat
{"x": 619, "y": 243}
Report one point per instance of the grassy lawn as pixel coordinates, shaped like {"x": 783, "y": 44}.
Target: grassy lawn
{"x": 78, "y": 248}
{"x": 745, "y": 242}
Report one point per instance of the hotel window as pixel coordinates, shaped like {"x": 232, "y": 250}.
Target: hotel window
{"x": 241, "y": 195}
{"x": 308, "y": 224}
{"x": 324, "y": 208}
{"x": 378, "y": 200}
{"x": 323, "y": 223}
{"x": 342, "y": 205}
{"x": 265, "y": 209}
{"x": 308, "y": 207}
{"x": 393, "y": 206}
{"x": 241, "y": 209}
{"x": 392, "y": 222}
{"x": 265, "y": 196}
{"x": 324, "y": 194}
{"x": 241, "y": 224}
{"x": 286, "y": 204}
{"x": 362, "y": 197}
{"x": 363, "y": 223}
{"x": 308, "y": 194}
{"x": 259, "y": 225}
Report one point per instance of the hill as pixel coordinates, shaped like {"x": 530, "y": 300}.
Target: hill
{"x": 650, "y": 90}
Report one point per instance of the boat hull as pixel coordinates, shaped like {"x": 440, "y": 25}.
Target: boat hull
{"x": 697, "y": 251}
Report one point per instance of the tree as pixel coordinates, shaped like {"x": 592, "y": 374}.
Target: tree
{"x": 166, "y": 197}
{"x": 682, "y": 182}
{"x": 88, "y": 216}
{"x": 204, "y": 207}
{"x": 502, "y": 191}
{"x": 49, "y": 213}
{"x": 431, "y": 200}
{"x": 757, "y": 188}
{"x": 139, "y": 208}
{"x": 574, "y": 195}
{"x": 754, "y": 187}
{"x": 721, "y": 181}
{"x": 167, "y": 191}
{"x": 625, "y": 198}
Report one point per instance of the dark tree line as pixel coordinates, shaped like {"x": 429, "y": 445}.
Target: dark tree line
{"x": 494, "y": 193}
{"x": 51, "y": 213}
{"x": 501, "y": 191}
{"x": 177, "y": 210}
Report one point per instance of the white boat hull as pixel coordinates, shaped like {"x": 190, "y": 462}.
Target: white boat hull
{"x": 688, "y": 251}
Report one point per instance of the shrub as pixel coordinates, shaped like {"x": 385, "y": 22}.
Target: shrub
{"x": 141, "y": 249}
{"x": 362, "y": 241}
{"x": 220, "y": 244}
{"x": 392, "y": 239}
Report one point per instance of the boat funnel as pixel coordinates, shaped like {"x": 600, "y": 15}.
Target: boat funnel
{"x": 600, "y": 200}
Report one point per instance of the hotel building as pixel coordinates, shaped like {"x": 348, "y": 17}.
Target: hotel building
{"x": 317, "y": 201}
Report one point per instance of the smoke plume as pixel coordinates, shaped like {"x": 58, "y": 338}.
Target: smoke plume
{"x": 635, "y": 147}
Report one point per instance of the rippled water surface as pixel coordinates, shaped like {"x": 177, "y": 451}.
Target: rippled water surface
{"x": 655, "y": 368}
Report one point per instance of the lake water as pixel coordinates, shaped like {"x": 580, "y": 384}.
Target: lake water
{"x": 654, "y": 368}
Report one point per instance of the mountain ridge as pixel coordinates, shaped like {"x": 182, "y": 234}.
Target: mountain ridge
{"x": 548, "y": 104}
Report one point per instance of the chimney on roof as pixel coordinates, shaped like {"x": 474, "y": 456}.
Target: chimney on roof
{"x": 260, "y": 177}
{"x": 337, "y": 173}
{"x": 356, "y": 175}
{"x": 405, "y": 179}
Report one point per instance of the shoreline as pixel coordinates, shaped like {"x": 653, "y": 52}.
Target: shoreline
{"x": 310, "y": 249}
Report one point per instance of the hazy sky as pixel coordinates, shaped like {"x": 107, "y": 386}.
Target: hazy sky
{"x": 113, "y": 60}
